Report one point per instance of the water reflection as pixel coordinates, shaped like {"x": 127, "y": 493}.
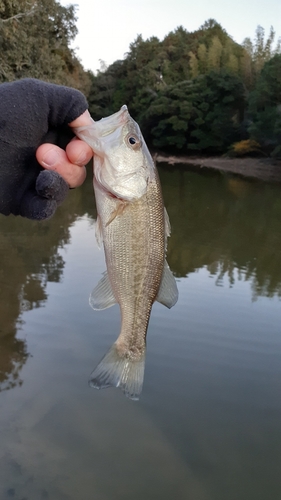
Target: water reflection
{"x": 29, "y": 259}
{"x": 226, "y": 224}
{"x": 208, "y": 424}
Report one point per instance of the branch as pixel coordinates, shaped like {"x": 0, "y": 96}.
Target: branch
{"x": 19, "y": 15}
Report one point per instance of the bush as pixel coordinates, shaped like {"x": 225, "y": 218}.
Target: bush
{"x": 244, "y": 148}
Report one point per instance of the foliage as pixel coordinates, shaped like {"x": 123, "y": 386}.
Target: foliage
{"x": 188, "y": 91}
{"x": 34, "y": 42}
{"x": 259, "y": 52}
{"x": 192, "y": 91}
{"x": 244, "y": 147}
{"x": 202, "y": 114}
{"x": 265, "y": 107}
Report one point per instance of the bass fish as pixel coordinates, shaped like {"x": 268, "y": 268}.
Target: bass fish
{"x": 133, "y": 226}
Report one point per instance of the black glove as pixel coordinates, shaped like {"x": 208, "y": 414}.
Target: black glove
{"x": 31, "y": 113}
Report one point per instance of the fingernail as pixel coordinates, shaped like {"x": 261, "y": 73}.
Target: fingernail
{"x": 51, "y": 158}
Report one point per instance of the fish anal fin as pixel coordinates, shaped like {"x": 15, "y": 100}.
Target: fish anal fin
{"x": 102, "y": 296}
{"x": 168, "y": 290}
{"x": 117, "y": 370}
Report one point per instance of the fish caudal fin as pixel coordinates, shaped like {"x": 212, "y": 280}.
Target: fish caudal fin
{"x": 118, "y": 371}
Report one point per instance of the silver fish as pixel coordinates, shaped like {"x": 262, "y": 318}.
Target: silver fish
{"x": 133, "y": 225}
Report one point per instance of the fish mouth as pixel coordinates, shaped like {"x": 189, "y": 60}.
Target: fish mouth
{"x": 97, "y": 134}
{"x": 110, "y": 124}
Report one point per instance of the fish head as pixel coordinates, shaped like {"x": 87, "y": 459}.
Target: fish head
{"x": 123, "y": 165}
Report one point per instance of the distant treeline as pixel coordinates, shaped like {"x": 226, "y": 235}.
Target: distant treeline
{"x": 199, "y": 92}
{"x": 194, "y": 92}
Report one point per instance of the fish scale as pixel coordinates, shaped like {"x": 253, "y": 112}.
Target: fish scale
{"x": 139, "y": 248}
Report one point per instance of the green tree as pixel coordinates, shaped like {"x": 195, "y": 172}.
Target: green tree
{"x": 131, "y": 81}
{"x": 203, "y": 114}
{"x": 151, "y": 65}
{"x": 232, "y": 64}
{"x": 171, "y": 88}
{"x": 104, "y": 89}
{"x": 194, "y": 65}
{"x": 202, "y": 57}
{"x": 265, "y": 107}
{"x": 214, "y": 55}
{"x": 35, "y": 38}
{"x": 257, "y": 53}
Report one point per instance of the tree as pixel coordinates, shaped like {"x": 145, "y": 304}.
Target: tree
{"x": 203, "y": 114}
{"x": 257, "y": 53}
{"x": 265, "y": 107}
{"x": 34, "y": 42}
{"x": 104, "y": 94}
{"x": 218, "y": 53}
{"x": 194, "y": 65}
{"x": 202, "y": 57}
{"x": 214, "y": 55}
{"x": 188, "y": 91}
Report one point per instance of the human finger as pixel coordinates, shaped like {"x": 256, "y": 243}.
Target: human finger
{"x": 52, "y": 157}
{"x": 82, "y": 120}
{"x": 78, "y": 152}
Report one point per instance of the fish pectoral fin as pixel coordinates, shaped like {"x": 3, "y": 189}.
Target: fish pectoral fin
{"x": 115, "y": 370}
{"x": 98, "y": 231}
{"x": 102, "y": 296}
{"x": 118, "y": 211}
{"x": 167, "y": 224}
{"x": 168, "y": 291}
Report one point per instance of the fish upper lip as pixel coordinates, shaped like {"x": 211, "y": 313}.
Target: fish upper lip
{"x": 108, "y": 125}
{"x": 100, "y": 129}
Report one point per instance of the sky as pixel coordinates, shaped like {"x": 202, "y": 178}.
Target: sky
{"x": 107, "y": 27}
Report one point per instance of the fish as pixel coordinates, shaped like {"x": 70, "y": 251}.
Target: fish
{"x": 133, "y": 226}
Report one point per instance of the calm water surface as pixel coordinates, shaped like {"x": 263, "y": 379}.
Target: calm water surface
{"x": 208, "y": 425}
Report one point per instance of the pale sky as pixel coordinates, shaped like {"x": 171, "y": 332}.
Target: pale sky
{"x": 107, "y": 27}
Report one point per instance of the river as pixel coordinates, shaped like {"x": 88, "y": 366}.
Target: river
{"x": 208, "y": 424}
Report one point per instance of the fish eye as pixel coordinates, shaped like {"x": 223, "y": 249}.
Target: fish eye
{"x": 133, "y": 141}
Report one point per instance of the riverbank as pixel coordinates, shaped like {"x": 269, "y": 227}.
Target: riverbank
{"x": 266, "y": 169}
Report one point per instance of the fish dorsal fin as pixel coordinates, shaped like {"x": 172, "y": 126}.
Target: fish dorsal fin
{"x": 168, "y": 290}
{"x": 102, "y": 296}
{"x": 98, "y": 230}
{"x": 167, "y": 223}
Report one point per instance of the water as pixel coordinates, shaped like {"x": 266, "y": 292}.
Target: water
{"x": 208, "y": 425}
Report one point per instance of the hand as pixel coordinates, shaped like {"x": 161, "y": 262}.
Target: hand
{"x": 70, "y": 164}
{"x": 34, "y": 124}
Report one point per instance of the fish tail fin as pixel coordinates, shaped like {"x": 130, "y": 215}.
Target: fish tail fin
{"x": 116, "y": 370}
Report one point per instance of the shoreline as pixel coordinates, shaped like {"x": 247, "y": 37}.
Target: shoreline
{"x": 265, "y": 169}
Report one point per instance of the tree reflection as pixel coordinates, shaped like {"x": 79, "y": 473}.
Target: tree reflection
{"x": 225, "y": 224}
{"x": 29, "y": 260}
{"x": 229, "y": 225}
